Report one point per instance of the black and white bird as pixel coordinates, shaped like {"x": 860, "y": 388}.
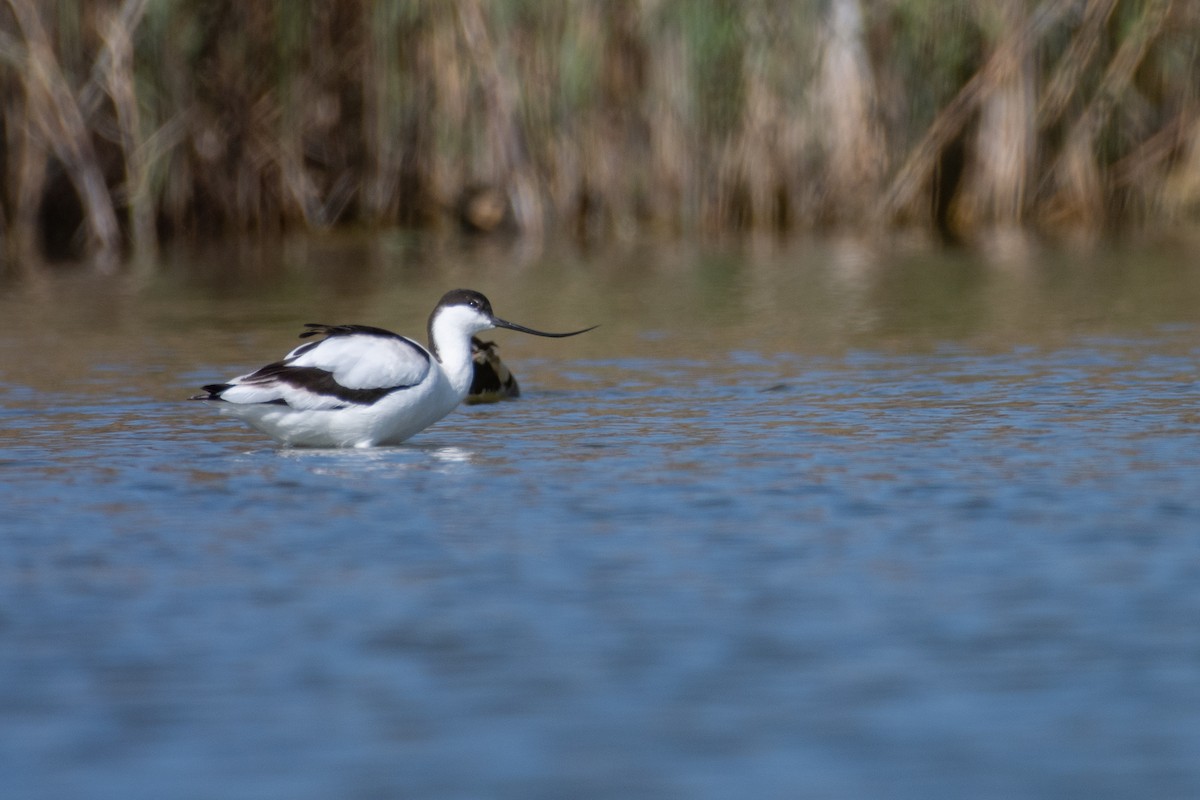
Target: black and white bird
{"x": 361, "y": 386}
{"x": 493, "y": 381}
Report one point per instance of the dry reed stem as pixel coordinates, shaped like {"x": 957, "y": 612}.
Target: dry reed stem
{"x": 1078, "y": 194}
{"x": 852, "y": 140}
{"x": 90, "y": 96}
{"x": 53, "y": 110}
{"x": 1146, "y": 164}
{"x": 28, "y": 173}
{"x": 508, "y": 169}
{"x": 1064, "y": 84}
{"x": 950, "y": 121}
{"x": 379, "y": 129}
{"x": 1181, "y": 189}
{"x": 1003, "y": 147}
{"x": 119, "y": 82}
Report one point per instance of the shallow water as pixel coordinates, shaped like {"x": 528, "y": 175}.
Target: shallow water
{"x": 827, "y": 520}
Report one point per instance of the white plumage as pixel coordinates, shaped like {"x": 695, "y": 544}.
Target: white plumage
{"x": 361, "y": 386}
{"x": 365, "y": 361}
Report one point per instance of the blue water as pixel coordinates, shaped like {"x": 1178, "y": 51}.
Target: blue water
{"x": 901, "y": 571}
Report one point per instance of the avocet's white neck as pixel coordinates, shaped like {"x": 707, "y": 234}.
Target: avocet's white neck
{"x": 450, "y": 341}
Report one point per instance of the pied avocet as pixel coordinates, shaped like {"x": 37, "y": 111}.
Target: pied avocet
{"x": 361, "y": 386}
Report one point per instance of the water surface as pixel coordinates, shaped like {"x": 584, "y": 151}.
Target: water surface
{"x": 820, "y": 520}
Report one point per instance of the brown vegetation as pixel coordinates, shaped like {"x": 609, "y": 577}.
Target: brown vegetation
{"x": 130, "y": 121}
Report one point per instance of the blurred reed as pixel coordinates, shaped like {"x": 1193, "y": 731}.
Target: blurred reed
{"x": 128, "y": 122}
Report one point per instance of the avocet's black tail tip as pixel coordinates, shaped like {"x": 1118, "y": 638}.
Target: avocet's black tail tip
{"x": 211, "y": 392}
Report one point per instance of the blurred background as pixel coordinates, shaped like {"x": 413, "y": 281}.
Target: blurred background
{"x": 131, "y": 122}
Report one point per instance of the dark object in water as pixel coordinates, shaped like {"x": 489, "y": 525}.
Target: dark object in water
{"x": 492, "y": 381}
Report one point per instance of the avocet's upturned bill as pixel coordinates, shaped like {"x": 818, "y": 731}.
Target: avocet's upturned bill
{"x": 361, "y": 386}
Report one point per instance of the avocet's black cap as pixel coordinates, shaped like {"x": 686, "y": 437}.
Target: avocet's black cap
{"x": 466, "y": 297}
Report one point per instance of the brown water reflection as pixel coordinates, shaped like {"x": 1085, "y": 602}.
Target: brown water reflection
{"x": 225, "y": 307}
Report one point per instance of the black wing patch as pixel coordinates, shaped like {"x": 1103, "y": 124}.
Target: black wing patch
{"x": 318, "y": 381}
